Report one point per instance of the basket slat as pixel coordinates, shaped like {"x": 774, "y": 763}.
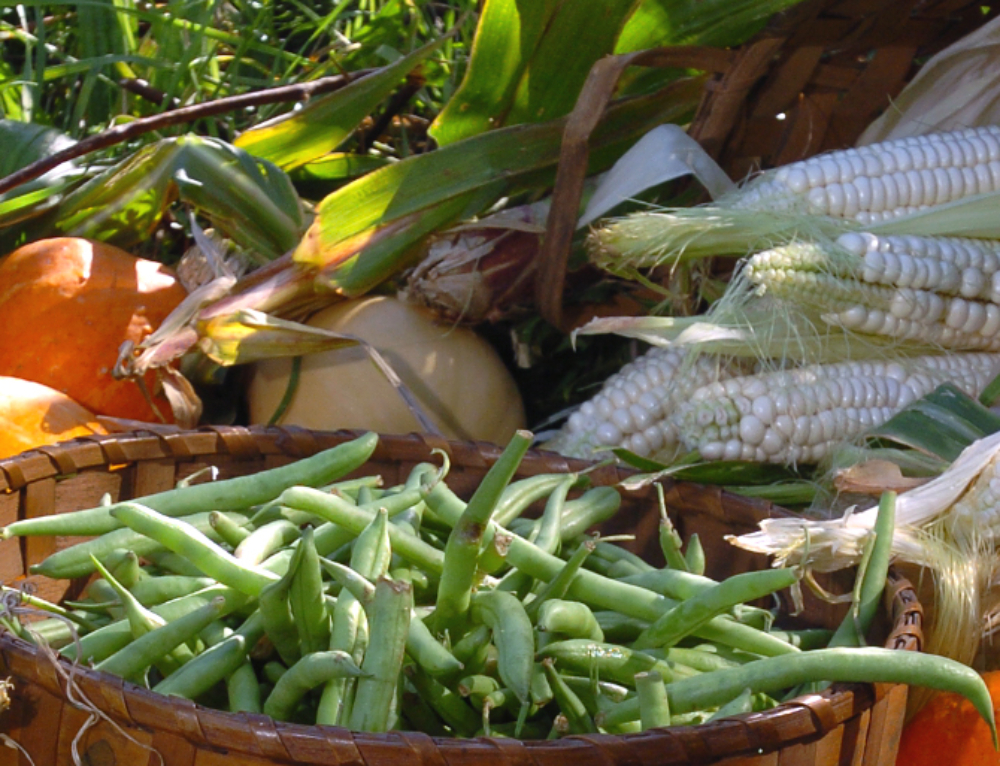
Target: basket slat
{"x": 847, "y": 723}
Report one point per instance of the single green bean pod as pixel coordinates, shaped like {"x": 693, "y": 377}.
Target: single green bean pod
{"x": 390, "y": 622}
{"x": 183, "y": 538}
{"x": 513, "y": 635}
{"x": 654, "y": 707}
{"x": 309, "y": 672}
{"x": 461, "y": 554}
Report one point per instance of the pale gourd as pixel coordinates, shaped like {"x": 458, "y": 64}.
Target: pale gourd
{"x": 458, "y": 378}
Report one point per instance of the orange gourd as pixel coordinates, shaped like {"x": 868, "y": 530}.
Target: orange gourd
{"x": 949, "y": 732}
{"x": 67, "y": 304}
{"x": 33, "y": 415}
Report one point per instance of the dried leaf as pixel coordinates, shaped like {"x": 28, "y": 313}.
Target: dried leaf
{"x": 873, "y": 477}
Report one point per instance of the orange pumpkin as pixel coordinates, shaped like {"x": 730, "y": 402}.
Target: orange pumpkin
{"x": 949, "y": 732}
{"x": 67, "y": 304}
{"x": 33, "y": 415}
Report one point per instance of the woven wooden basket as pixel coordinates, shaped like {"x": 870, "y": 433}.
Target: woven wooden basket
{"x": 856, "y": 723}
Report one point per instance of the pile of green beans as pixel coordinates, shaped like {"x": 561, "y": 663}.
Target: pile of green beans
{"x": 313, "y": 598}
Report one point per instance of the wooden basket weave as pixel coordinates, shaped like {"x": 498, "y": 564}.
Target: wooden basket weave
{"x": 819, "y": 73}
{"x": 847, "y": 724}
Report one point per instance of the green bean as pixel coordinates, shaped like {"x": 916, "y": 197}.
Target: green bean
{"x": 593, "y": 507}
{"x": 805, "y": 639}
{"x": 54, "y": 632}
{"x": 614, "y": 553}
{"x": 273, "y": 671}
{"x": 558, "y": 586}
{"x": 607, "y": 661}
{"x": 618, "y": 570}
{"x": 276, "y": 612}
{"x": 74, "y": 561}
{"x": 477, "y": 687}
{"x": 547, "y": 532}
{"x": 421, "y": 645}
{"x": 519, "y": 495}
{"x": 354, "y": 519}
{"x": 156, "y": 590}
{"x": 619, "y": 628}
{"x": 654, "y": 707}
{"x": 420, "y": 716}
{"x": 572, "y": 619}
{"x": 231, "y": 533}
{"x": 106, "y": 640}
{"x": 167, "y": 561}
{"x": 192, "y": 680}
{"x": 234, "y": 494}
{"x": 389, "y": 619}
{"x": 691, "y": 614}
{"x": 493, "y": 554}
{"x": 309, "y": 672}
{"x": 370, "y": 557}
{"x": 871, "y": 578}
{"x": 594, "y": 692}
{"x": 694, "y": 555}
{"x": 504, "y": 615}
{"x": 670, "y": 539}
{"x": 452, "y": 709}
{"x": 127, "y": 570}
{"x": 141, "y": 621}
{"x": 703, "y": 658}
{"x": 305, "y": 597}
{"x": 471, "y": 648}
{"x": 184, "y": 539}
{"x": 577, "y": 716}
{"x": 673, "y": 583}
{"x": 860, "y": 665}
{"x": 133, "y": 659}
{"x": 419, "y": 580}
{"x": 461, "y": 553}
{"x": 243, "y": 690}
{"x": 214, "y": 664}
{"x": 741, "y": 703}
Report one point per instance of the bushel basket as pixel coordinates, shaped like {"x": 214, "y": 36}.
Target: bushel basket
{"x": 847, "y": 723}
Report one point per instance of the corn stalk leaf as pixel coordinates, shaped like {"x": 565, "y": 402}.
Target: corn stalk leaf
{"x": 529, "y": 61}
{"x": 720, "y": 23}
{"x": 942, "y": 424}
{"x": 252, "y": 201}
{"x": 24, "y": 143}
{"x": 362, "y": 230}
{"x": 321, "y": 126}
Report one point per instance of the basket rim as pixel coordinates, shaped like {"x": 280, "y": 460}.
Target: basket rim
{"x": 810, "y": 717}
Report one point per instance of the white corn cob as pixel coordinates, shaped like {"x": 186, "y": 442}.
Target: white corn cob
{"x": 939, "y": 290}
{"x": 633, "y": 406}
{"x": 795, "y": 416}
{"x": 884, "y": 180}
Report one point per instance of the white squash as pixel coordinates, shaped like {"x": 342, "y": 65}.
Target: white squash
{"x": 458, "y": 378}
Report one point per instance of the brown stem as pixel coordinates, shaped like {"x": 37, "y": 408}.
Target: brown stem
{"x": 399, "y": 100}
{"x": 144, "y": 90}
{"x": 128, "y": 131}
